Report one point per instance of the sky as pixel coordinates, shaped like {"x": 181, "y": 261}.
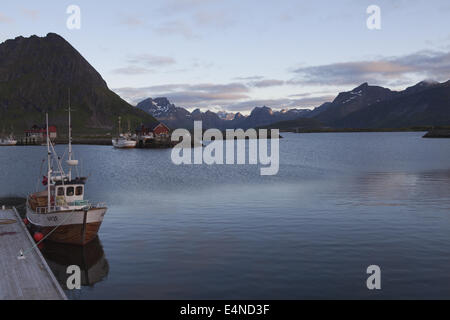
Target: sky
{"x": 235, "y": 55}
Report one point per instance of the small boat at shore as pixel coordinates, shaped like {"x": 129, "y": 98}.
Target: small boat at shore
{"x": 61, "y": 212}
{"x": 124, "y": 141}
{"x": 8, "y": 141}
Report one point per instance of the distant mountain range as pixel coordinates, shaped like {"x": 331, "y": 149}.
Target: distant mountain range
{"x": 425, "y": 104}
{"x": 176, "y": 117}
{"x": 365, "y": 107}
{"x": 36, "y": 74}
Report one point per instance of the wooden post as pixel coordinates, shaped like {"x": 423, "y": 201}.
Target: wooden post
{"x": 83, "y": 231}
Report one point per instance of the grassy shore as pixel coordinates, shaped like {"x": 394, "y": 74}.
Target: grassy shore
{"x": 337, "y": 130}
{"x": 438, "y": 133}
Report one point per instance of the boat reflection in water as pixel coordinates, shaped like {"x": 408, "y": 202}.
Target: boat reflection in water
{"x": 90, "y": 258}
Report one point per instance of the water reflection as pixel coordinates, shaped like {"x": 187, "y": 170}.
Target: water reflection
{"x": 397, "y": 189}
{"x": 340, "y": 203}
{"x": 90, "y": 258}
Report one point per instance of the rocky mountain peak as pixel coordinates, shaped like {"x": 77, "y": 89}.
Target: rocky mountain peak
{"x": 36, "y": 74}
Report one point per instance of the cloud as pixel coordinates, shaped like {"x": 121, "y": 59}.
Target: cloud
{"x": 132, "y": 70}
{"x": 192, "y": 18}
{"x": 197, "y": 63}
{"x": 171, "y": 6}
{"x": 235, "y": 87}
{"x": 249, "y": 78}
{"x": 384, "y": 71}
{"x": 230, "y": 96}
{"x": 203, "y": 98}
{"x": 139, "y": 64}
{"x": 31, "y": 13}
{"x": 132, "y": 21}
{"x": 214, "y": 18}
{"x": 267, "y": 83}
{"x": 177, "y": 28}
{"x": 282, "y": 103}
{"x": 151, "y": 60}
{"x": 5, "y": 19}
{"x": 188, "y": 95}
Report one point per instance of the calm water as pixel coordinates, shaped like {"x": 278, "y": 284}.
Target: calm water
{"x": 340, "y": 203}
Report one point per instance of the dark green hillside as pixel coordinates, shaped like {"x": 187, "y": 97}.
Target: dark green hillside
{"x": 35, "y": 77}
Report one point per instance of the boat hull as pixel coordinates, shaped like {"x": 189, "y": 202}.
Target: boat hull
{"x": 75, "y": 234}
{"x": 8, "y": 144}
{"x": 70, "y": 227}
{"x": 124, "y": 144}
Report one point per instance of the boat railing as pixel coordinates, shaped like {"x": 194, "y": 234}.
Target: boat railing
{"x": 99, "y": 205}
{"x": 80, "y": 203}
{"x": 87, "y": 204}
{"x": 45, "y": 210}
{"x": 84, "y": 204}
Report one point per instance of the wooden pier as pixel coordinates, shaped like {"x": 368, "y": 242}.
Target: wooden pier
{"x": 29, "y": 278}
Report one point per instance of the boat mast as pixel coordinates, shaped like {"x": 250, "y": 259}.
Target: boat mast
{"x": 70, "y": 141}
{"x": 49, "y": 168}
{"x": 120, "y": 129}
{"x": 70, "y": 161}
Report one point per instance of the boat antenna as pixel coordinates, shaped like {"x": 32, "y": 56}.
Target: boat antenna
{"x": 70, "y": 140}
{"x": 49, "y": 168}
{"x": 71, "y": 162}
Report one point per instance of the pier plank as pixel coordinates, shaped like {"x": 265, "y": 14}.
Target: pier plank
{"x": 28, "y": 279}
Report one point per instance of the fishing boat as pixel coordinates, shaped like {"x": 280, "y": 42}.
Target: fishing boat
{"x": 124, "y": 141}
{"x": 61, "y": 213}
{"x": 8, "y": 141}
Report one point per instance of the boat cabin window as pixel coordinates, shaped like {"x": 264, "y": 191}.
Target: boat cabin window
{"x": 70, "y": 191}
{"x": 79, "y": 191}
{"x": 60, "y": 192}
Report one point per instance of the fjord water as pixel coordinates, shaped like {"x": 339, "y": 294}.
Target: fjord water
{"x": 340, "y": 203}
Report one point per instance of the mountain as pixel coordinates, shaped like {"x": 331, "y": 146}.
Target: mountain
{"x": 352, "y": 101}
{"x": 36, "y": 74}
{"x": 176, "y": 117}
{"x": 421, "y": 86}
{"x": 264, "y": 116}
{"x": 425, "y": 104}
{"x": 322, "y": 108}
{"x": 159, "y": 107}
{"x": 372, "y": 107}
{"x": 365, "y": 107}
{"x": 164, "y": 111}
{"x": 226, "y": 115}
{"x": 296, "y": 125}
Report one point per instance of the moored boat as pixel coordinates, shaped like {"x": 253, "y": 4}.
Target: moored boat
{"x": 124, "y": 141}
{"x": 8, "y": 141}
{"x": 61, "y": 212}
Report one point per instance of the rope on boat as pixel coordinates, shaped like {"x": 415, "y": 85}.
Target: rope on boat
{"x": 7, "y": 221}
{"x": 40, "y": 175}
{"x": 21, "y": 205}
{"x": 21, "y": 254}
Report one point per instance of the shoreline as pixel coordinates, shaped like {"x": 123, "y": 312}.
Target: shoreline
{"x": 439, "y": 132}
{"x": 357, "y": 130}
